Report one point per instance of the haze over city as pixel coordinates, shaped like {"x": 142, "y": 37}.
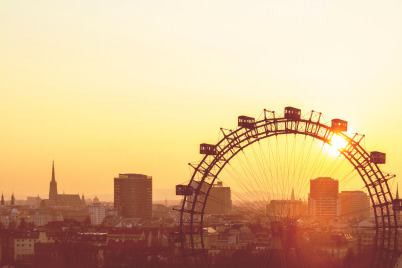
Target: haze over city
{"x": 200, "y": 134}
{"x": 104, "y": 88}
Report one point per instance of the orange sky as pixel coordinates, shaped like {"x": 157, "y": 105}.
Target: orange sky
{"x": 108, "y": 87}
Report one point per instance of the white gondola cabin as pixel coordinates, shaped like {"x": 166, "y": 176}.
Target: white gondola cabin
{"x": 208, "y": 149}
{"x": 377, "y": 157}
{"x": 184, "y": 190}
{"x": 338, "y": 125}
{"x": 246, "y": 122}
{"x": 292, "y": 113}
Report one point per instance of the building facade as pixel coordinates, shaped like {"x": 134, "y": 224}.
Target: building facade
{"x": 354, "y": 204}
{"x": 219, "y": 200}
{"x": 97, "y": 212}
{"x": 323, "y": 198}
{"x": 285, "y": 208}
{"x": 133, "y": 195}
{"x": 24, "y": 244}
{"x": 55, "y": 199}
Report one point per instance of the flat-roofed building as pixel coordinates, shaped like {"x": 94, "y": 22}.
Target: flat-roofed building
{"x": 219, "y": 200}
{"x": 323, "y": 198}
{"x": 354, "y": 204}
{"x": 133, "y": 195}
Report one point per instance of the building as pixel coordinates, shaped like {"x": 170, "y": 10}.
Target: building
{"x": 354, "y": 204}
{"x": 33, "y": 201}
{"x": 219, "y": 200}
{"x": 55, "y": 199}
{"x": 53, "y": 195}
{"x": 97, "y": 212}
{"x": 24, "y": 244}
{"x": 285, "y": 208}
{"x": 323, "y": 198}
{"x": 133, "y": 195}
{"x": 41, "y": 218}
{"x": 210, "y": 236}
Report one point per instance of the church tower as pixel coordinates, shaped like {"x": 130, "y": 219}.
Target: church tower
{"x": 53, "y": 187}
{"x": 2, "y": 199}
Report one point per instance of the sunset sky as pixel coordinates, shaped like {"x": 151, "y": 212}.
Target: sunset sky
{"x": 109, "y": 87}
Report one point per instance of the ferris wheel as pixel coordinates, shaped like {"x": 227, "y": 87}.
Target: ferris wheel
{"x": 268, "y": 162}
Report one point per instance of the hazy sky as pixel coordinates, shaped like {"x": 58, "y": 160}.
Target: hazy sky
{"x": 108, "y": 87}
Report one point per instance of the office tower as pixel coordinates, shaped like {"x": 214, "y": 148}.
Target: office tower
{"x": 354, "y": 204}
{"x": 133, "y": 195}
{"x": 323, "y": 198}
{"x": 219, "y": 200}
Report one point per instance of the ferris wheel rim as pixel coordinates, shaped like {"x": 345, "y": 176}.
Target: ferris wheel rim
{"x": 374, "y": 180}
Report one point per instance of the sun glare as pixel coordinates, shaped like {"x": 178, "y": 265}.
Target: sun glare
{"x": 338, "y": 143}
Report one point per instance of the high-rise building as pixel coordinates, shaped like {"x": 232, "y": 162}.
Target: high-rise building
{"x": 323, "y": 198}
{"x": 133, "y": 195}
{"x": 219, "y": 200}
{"x": 354, "y": 204}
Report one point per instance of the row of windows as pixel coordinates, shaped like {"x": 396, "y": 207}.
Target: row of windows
{"x": 22, "y": 245}
{"x": 25, "y": 240}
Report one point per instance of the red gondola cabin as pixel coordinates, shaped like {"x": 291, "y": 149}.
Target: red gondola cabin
{"x": 208, "y": 149}
{"x": 377, "y": 157}
{"x": 292, "y": 113}
{"x": 184, "y": 190}
{"x": 338, "y": 125}
{"x": 246, "y": 122}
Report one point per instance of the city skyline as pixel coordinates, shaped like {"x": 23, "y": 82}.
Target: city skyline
{"x": 200, "y": 133}
{"x": 106, "y": 88}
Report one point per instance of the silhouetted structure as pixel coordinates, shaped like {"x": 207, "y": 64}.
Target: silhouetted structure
{"x": 323, "y": 197}
{"x": 339, "y": 125}
{"x": 245, "y": 121}
{"x": 55, "y": 199}
{"x": 219, "y": 200}
{"x": 53, "y": 187}
{"x": 354, "y": 204}
{"x": 377, "y": 157}
{"x": 285, "y": 208}
{"x": 133, "y": 195}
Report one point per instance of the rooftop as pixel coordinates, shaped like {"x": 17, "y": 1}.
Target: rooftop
{"x": 134, "y": 176}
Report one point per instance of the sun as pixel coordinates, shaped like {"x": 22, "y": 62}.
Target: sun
{"x": 338, "y": 142}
